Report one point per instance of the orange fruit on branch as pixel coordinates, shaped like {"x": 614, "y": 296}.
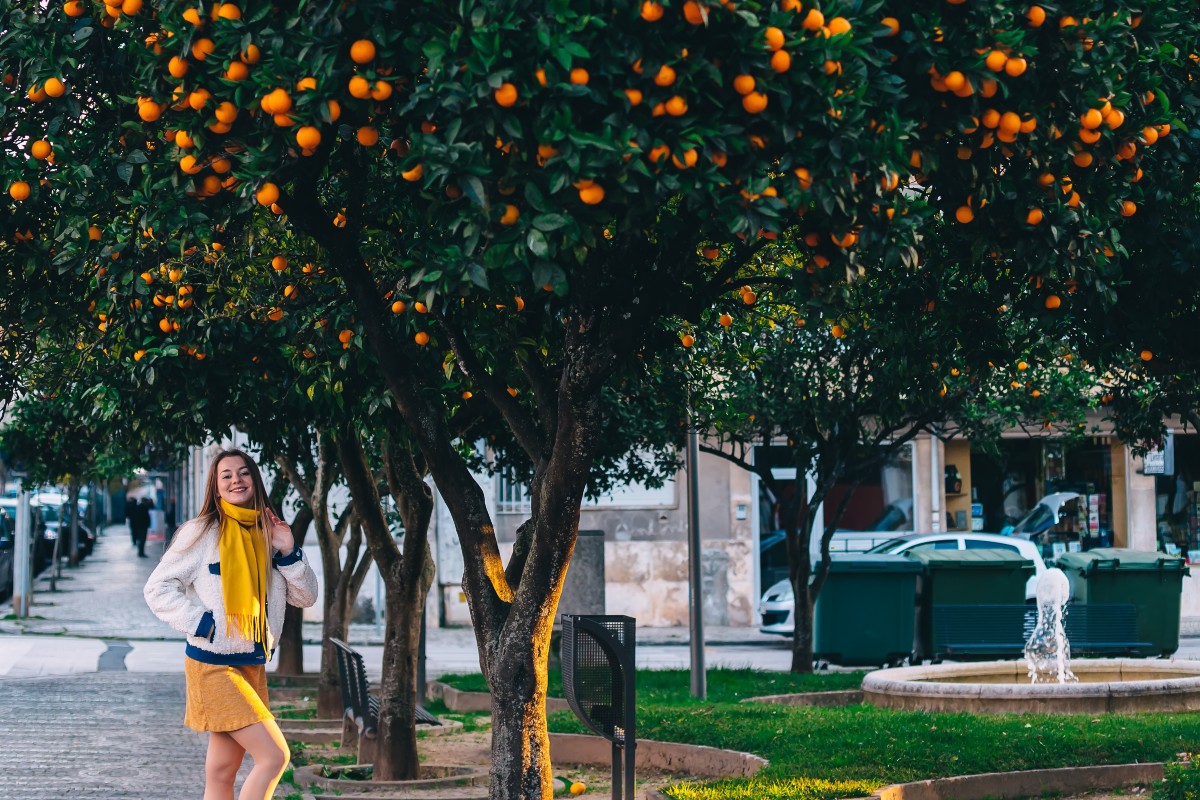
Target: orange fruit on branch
{"x": 754, "y": 102}
{"x": 267, "y": 194}
{"x": 744, "y": 84}
{"x": 367, "y": 136}
{"x": 996, "y": 60}
{"x": 202, "y": 49}
{"x": 1015, "y": 67}
{"x": 591, "y": 193}
{"x": 695, "y": 13}
{"x": 362, "y": 51}
{"x": 505, "y": 95}
{"x": 651, "y": 11}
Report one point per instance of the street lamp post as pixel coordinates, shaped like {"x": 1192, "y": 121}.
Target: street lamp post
{"x": 695, "y": 595}
{"x": 23, "y": 556}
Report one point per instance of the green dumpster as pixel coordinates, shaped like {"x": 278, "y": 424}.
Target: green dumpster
{"x": 1150, "y": 582}
{"x": 865, "y": 613}
{"x": 971, "y": 603}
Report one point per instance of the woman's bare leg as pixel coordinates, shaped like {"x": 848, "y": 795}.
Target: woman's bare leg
{"x": 221, "y": 766}
{"x": 266, "y": 745}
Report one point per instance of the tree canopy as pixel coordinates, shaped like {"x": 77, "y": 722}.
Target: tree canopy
{"x": 524, "y": 205}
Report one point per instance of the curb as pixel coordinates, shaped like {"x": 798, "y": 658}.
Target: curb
{"x": 326, "y": 731}
{"x": 311, "y": 774}
{"x": 691, "y": 759}
{"x": 849, "y": 697}
{"x": 473, "y": 702}
{"x": 1014, "y": 785}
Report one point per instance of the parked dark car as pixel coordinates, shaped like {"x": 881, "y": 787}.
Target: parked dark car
{"x": 7, "y": 534}
{"x": 41, "y": 553}
{"x": 52, "y": 508}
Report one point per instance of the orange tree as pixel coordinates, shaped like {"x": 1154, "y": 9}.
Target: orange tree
{"x": 835, "y": 388}
{"x": 595, "y": 169}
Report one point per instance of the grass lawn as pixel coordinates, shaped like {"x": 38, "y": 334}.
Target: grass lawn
{"x": 820, "y": 753}
{"x": 671, "y": 685}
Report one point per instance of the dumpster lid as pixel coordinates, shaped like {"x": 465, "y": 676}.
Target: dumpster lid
{"x": 1121, "y": 558}
{"x": 969, "y": 559}
{"x": 872, "y": 562}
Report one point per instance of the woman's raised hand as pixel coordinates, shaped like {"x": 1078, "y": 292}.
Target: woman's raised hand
{"x": 281, "y": 535}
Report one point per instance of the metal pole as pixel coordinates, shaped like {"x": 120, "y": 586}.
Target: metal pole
{"x": 421, "y": 663}
{"x": 695, "y": 596}
{"x": 22, "y": 561}
{"x": 935, "y": 484}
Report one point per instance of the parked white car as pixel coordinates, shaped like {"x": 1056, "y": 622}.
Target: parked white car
{"x": 778, "y": 604}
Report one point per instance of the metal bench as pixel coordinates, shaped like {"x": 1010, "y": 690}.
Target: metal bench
{"x": 360, "y": 720}
{"x": 1000, "y": 631}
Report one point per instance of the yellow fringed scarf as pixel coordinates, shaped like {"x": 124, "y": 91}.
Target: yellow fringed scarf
{"x": 243, "y": 550}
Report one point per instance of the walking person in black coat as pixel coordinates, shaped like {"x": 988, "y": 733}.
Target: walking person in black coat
{"x": 139, "y": 524}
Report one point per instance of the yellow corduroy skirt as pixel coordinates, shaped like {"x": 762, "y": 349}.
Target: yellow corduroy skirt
{"x": 224, "y": 698}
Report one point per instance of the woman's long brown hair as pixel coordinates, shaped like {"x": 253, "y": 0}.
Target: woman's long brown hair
{"x": 211, "y": 514}
{"x": 211, "y": 511}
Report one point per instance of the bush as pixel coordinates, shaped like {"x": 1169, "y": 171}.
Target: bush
{"x": 1181, "y": 779}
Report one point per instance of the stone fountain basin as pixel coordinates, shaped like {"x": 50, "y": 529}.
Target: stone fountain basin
{"x": 1106, "y": 685}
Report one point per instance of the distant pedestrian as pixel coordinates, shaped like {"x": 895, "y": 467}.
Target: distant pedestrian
{"x": 139, "y": 524}
{"x": 225, "y": 582}
{"x": 169, "y": 520}
{"x": 130, "y": 505}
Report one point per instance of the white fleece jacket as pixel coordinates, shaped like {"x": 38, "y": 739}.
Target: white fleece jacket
{"x": 186, "y": 586}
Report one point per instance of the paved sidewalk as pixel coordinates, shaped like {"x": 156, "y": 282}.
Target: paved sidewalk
{"x": 105, "y": 736}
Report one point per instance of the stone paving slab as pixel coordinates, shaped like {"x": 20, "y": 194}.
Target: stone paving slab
{"x": 107, "y": 735}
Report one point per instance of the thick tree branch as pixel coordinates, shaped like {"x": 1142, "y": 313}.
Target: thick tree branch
{"x": 523, "y": 428}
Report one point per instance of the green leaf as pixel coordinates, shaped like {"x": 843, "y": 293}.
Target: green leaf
{"x": 477, "y": 275}
{"x": 536, "y": 241}
{"x": 550, "y": 222}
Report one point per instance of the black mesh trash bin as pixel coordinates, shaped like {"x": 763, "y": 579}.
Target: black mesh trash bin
{"x": 600, "y": 685}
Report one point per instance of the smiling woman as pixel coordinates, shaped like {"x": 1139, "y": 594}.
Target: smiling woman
{"x": 225, "y": 582}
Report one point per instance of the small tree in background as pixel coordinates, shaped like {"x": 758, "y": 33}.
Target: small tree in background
{"x": 843, "y": 387}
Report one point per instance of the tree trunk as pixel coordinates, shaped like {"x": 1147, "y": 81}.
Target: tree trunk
{"x": 290, "y": 651}
{"x": 802, "y": 639}
{"x": 407, "y": 577}
{"x": 396, "y": 758}
{"x": 341, "y": 580}
{"x": 73, "y": 527}
{"x": 520, "y": 742}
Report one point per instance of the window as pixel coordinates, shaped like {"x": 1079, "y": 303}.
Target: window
{"x": 512, "y": 497}
{"x": 937, "y": 544}
{"x": 975, "y": 544}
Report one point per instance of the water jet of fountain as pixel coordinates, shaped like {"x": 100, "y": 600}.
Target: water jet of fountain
{"x": 1048, "y": 653}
